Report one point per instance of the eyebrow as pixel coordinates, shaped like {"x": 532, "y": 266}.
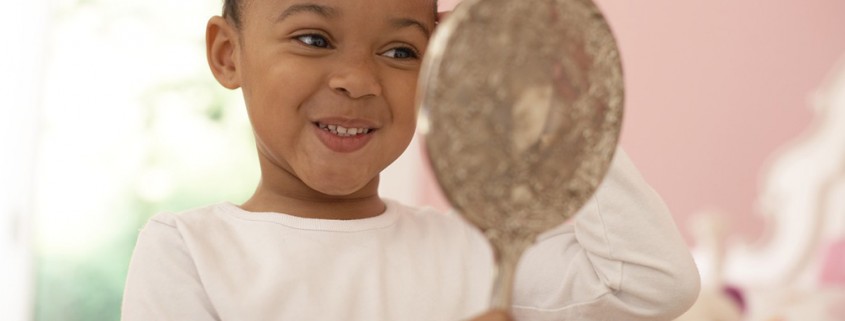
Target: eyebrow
{"x": 400, "y": 23}
{"x": 327, "y": 12}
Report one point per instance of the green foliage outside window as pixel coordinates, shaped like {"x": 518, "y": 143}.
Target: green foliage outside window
{"x": 133, "y": 124}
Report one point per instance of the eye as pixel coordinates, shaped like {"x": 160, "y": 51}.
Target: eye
{"x": 314, "y": 40}
{"x": 401, "y": 53}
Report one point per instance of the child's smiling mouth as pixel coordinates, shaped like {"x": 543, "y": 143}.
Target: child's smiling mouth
{"x": 344, "y": 131}
{"x": 346, "y": 138}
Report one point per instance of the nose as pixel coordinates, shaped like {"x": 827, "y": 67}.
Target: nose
{"x": 356, "y": 76}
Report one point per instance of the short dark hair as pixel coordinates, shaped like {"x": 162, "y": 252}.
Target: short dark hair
{"x": 232, "y": 10}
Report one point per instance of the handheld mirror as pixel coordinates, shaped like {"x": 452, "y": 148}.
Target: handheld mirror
{"x": 521, "y": 105}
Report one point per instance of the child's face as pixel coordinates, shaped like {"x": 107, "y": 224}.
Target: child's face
{"x": 310, "y": 68}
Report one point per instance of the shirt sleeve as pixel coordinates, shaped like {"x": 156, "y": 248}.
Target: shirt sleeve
{"x": 163, "y": 283}
{"x": 622, "y": 259}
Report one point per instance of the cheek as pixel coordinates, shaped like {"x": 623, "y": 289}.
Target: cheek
{"x": 401, "y": 94}
{"x": 273, "y": 101}
{"x": 272, "y": 93}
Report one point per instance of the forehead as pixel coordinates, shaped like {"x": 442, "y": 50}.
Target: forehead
{"x": 373, "y": 8}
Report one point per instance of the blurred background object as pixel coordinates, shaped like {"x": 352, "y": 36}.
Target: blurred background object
{"x": 110, "y": 116}
{"x": 22, "y": 66}
{"x": 796, "y": 271}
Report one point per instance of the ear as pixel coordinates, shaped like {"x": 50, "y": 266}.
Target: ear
{"x": 221, "y": 48}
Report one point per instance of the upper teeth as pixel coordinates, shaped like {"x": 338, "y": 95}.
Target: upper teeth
{"x": 343, "y": 131}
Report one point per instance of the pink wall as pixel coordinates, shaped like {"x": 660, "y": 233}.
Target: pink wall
{"x": 714, "y": 88}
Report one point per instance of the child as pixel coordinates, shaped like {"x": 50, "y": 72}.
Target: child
{"x": 329, "y": 86}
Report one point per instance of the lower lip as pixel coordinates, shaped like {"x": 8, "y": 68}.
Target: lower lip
{"x": 342, "y": 144}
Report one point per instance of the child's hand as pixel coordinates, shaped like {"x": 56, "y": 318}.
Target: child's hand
{"x": 494, "y": 315}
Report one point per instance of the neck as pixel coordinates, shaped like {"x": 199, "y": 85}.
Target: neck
{"x": 282, "y": 192}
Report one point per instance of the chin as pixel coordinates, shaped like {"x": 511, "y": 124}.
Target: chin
{"x": 338, "y": 191}
{"x": 342, "y": 188}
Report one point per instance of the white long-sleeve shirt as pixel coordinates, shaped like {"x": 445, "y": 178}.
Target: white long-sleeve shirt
{"x": 622, "y": 259}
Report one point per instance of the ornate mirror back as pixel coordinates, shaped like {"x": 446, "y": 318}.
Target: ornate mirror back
{"x": 521, "y": 107}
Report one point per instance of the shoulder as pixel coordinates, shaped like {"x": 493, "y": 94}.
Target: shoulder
{"x": 191, "y": 215}
{"x": 177, "y": 224}
{"x": 164, "y": 238}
